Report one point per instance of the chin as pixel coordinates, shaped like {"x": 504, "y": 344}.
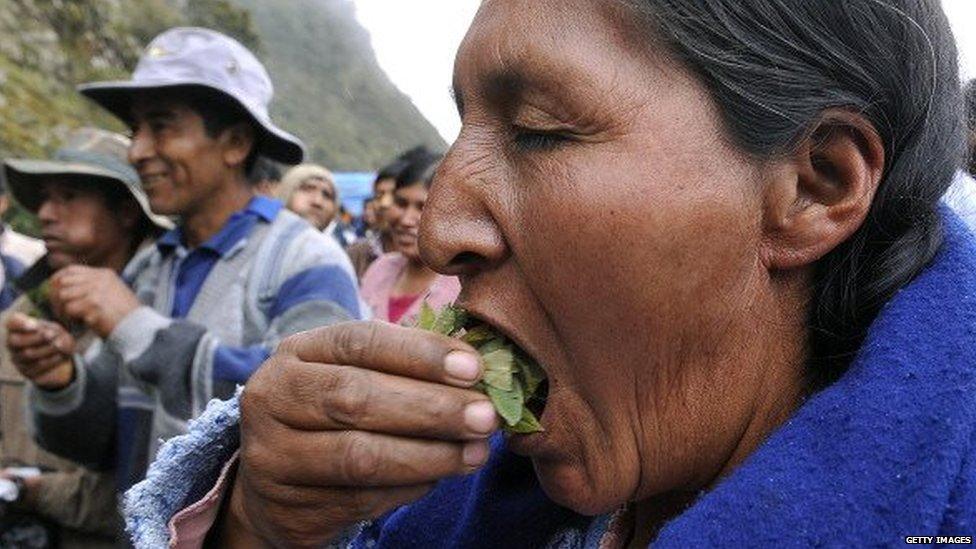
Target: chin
{"x": 56, "y": 260}
{"x": 568, "y": 486}
{"x": 412, "y": 254}
{"x": 161, "y": 208}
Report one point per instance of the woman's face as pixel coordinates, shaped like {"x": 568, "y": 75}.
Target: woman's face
{"x": 404, "y": 215}
{"x": 597, "y": 214}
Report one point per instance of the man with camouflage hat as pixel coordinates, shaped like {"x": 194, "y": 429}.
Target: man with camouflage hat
{"x": 216, "y": 294}
{"x": 92, "y": 211}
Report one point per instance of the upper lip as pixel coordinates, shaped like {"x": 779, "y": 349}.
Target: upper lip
{"x": 501, "y": 325}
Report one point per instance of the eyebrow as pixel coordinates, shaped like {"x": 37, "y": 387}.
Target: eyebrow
{"x": 502, "y": 88}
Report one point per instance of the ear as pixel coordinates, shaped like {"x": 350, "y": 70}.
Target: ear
{"x": 824, "y": 191}
{"x": 129, "y": 215}
{"x": 238, "y": 141}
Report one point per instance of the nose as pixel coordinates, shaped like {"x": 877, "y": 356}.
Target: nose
{"x": 459, "y": 235}
{"x": 45, "y": 213}
{"x": 142, "y": 147}
{"x": 411, "y": 217}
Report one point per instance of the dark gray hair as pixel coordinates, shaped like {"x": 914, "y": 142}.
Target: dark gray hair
{"x": 774, "y": 66}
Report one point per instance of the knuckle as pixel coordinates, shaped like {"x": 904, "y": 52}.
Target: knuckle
{"x": 291, "y": 344}
{"x": 348, "y": 396}
{"x": 259, "y": 459}
{"x": 349, "y": 344}
{"x": 353, "y": 340}
{"x": 253, "y": 404}
{"x": 361, "y": 460}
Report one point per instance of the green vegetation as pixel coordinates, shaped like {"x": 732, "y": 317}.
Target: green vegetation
{"x": 329, "y": 89}
{"x": 512, "y": 379}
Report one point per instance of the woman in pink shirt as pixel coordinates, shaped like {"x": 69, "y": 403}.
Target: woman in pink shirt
{"x": 397, "y": 284}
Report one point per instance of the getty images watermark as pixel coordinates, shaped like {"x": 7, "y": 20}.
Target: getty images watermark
{"x": 939, "y": 540}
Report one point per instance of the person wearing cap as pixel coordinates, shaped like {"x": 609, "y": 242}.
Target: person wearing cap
{"x": 92, "y": 211}
{"x": 310, "y": 191}
{"x": 215, "y": 295}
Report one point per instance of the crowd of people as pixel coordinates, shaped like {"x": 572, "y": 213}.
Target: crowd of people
{"x": 797, "y": 244}
{"x": 171, "y": 263}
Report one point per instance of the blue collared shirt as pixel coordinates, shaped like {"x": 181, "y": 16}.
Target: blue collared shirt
{"x": 198, "y": 263}
{"x": 331, "y": 283}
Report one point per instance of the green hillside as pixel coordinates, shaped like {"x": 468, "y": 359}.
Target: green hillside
{"x": 329, "y": 88}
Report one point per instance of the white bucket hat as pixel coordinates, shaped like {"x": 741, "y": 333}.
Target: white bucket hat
{"x": 189, "y": 56}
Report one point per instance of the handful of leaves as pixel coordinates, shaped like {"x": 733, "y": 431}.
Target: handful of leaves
{"x": 511, "y": 378}
{"x": 40, "y": 298}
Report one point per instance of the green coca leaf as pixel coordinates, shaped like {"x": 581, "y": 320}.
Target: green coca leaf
{"x": 426, "y": 318}
{"x": 529, "y": 372}
{"x": 499, "y": 367}
{"x": 511, "y": 378}
{"x": 510, "y": 404}
{"x": 477, "y": 336}
{"x": 527, "y": 424}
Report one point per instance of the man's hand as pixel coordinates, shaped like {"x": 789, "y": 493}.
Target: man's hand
{"x": 347, "y": 422}
{"x": 41, "y": 350}
{"x": 96, "y": 297}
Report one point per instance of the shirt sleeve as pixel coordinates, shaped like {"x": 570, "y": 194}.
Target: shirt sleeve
{"x": 78, "y": 422}
{"x": 153, "y": 345}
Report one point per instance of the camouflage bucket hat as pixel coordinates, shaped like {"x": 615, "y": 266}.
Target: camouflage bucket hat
{"x": 88, "y": 154}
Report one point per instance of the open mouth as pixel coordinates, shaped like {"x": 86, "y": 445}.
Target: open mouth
{"x": 515, "y": 382}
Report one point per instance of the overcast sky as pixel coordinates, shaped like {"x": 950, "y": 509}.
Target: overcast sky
{"x": 415, "y": 42}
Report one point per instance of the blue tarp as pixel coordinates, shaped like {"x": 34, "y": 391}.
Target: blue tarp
{"x": 354, "y": 188}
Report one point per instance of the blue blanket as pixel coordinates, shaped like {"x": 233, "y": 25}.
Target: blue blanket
{"x": 884, "y": 453}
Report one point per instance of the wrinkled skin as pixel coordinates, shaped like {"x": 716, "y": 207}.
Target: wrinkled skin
{"x": 596, "y": 213}
{"x": 617, "y": 239}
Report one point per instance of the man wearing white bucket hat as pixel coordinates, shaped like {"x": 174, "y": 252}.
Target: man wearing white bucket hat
{"x": 215, "y": 295}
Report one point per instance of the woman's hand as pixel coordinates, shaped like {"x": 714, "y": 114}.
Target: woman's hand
{"x": 347, "y": 422}
{"x": 41, "y": 351}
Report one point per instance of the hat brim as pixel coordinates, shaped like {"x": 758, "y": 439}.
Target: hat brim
{"x": 24, "y": 178}
{"x": 117, "y": 96}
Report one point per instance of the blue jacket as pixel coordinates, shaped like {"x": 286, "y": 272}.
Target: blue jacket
{"x": 12, "y": 270}
{"x": 886, "y": 452}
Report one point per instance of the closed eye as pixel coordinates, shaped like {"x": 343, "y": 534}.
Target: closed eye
{"x": 528, "y": 140}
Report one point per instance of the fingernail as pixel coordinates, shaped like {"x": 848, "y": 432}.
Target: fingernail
{"x": 30, "y": 324}
{"x": 462, "y": 366}
{"x": 480, "y": 417}
{"x": 475, "y": 453}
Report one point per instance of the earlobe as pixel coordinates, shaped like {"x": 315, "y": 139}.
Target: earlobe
{"x": 821, "y": 194}
{"x": 238, "y": 143}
